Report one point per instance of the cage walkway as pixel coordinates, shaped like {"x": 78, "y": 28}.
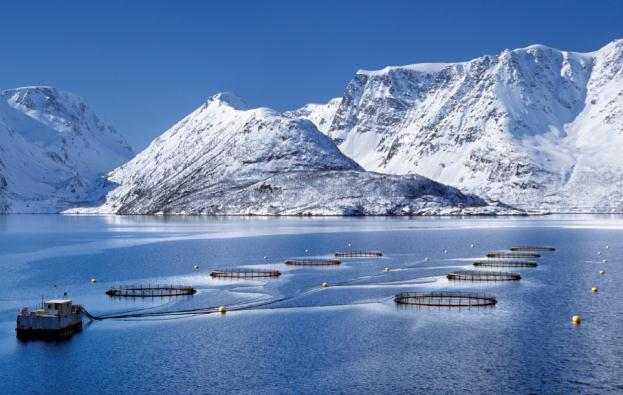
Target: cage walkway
{"x": 505, "y": 263}
{"x": 150, "y": 291}
{"x": 515, "y": 254}
{"x": 242, "y": 274}
{"x": 445, "y": 299}
{"x": 533, "y": 248}
{"x": 313, "y": 262}
{"x": 483, "y": 275}
{"x": 358, "y": 254}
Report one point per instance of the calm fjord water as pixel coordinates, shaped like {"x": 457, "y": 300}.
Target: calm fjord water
{"x": 350, "y": 337}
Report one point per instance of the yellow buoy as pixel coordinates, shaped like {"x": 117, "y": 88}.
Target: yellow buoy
{"x": 222, "y": 309}
{"x": 325, "y": 285}
{"x": 605, "y": 261}
{"x": 594, "y": 289}
{"x": 386, "y": 269}
{"x": 93, "y": 280}
{"x": 602, "y": 272}
{"x": 576, "y": 320}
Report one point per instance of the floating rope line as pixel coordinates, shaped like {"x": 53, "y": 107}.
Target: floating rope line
{"x": 256, "y": 303}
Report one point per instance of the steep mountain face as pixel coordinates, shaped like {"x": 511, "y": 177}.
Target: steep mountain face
{"x": 535, "y": 127}
{"x": 53, "y": 150}
{"x": 320, "y": 114}
{"x": 227, "y": 159}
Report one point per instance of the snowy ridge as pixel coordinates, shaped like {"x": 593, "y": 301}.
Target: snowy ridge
{"x": 534, "y": 127}
{"x": 320, "y": 114}
{"x": 53, "y": 150}
{"x": 226, "y": 159}
{"x": 427, "y": 68}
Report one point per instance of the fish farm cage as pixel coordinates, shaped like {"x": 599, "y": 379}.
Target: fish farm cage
{"x": 533, "y": 248}
{"x": 513, "y": 254}
{"x": 358, "y": 254}
{"x": 505, "y": 263}
{"x": 445, "y": 299}
{"x": 313, "y": 262}
{"x": 483, "y": 275}
{"x": 150, "y": 291}
{"x": 244, "y": 273}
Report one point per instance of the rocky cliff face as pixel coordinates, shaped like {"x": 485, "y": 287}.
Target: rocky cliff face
{"x": 53, "y": 150}
{"x": 535, "y": 127}
{"x": 227, "y": 159}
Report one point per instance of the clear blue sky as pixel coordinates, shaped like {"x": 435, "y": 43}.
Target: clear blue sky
{"x": 142, "y": 65}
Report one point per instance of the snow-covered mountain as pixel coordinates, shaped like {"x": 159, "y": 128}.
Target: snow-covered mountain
{"x": 320, "y": 114}
{"x": 53, "y": 150}
{"x": 534, "y": 127}
{"x": 225, "y": 158}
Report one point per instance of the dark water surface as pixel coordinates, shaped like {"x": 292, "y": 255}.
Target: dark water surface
{"x": 348, "y": 338}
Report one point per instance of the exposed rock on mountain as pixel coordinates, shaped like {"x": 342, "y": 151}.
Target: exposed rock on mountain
{"x": 534, "y": 127}
{"x": 226, "y": 159}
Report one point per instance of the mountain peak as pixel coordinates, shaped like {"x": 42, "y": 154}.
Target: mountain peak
{"x": 229, "y": 99}
{"x": 39, "y": 97}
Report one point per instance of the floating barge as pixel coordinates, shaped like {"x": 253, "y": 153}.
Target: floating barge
{"x": 242, "y": 273}
{"x": 513, "y": 254}
{"x": 150, "y": 291}
{"x": 358, "y": 254}
{"x": 56, "y": 318}
{"x": 483, "y": 275}
{"x": 505, "y": 263}
{"x": 445, "y": 299}
{"x": 313, "y": 262}
{"x": 533, "y": 248}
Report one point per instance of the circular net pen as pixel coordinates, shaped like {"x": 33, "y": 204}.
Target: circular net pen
{"x": 358, "y": 254}
{"x": 313, "y": 262}
{"x": 150, "y": 291}
{"x": 533, "y": 248}
{"x": 244, "y": 273}
{"x": 505, "y": 263}
{"x": 513, "y": 254}
{"x": 483, "y": 275}
{"x": 445, "y": 299}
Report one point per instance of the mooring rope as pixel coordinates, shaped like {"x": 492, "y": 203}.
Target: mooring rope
{"x": 247, "y": 305}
